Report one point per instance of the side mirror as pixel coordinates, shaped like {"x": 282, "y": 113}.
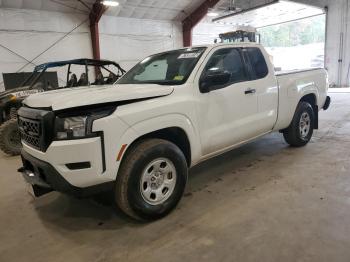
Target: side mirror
{"x": 214, "y": 80}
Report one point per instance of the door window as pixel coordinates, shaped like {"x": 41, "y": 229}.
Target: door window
{"x": 227, "y": 60}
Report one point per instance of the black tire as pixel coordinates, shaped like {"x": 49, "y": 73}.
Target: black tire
{"x": 13, "y": 113}
{"x": 293, "y": 135}
{"x": 128, "y": 193}
{"x": 10, "y": 142}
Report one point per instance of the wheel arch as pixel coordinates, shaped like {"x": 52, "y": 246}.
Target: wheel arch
{"x": 310, "y": 98}
{"x": 175, "y": 128}
{"x": 173, "y": 134}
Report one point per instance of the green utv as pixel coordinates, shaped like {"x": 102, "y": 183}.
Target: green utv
{"x": 104, "y": 72}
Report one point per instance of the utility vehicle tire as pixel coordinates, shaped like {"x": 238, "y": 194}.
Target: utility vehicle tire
{"x": 151, "y": 179}
{"x": 300, "y": 131}
{"x": 13, "y": 113}
{"x": 10, "y": 141}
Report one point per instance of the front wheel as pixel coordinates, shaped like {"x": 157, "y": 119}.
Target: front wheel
{"x": 300, "y": 131}
{"x": 151, "y": 180}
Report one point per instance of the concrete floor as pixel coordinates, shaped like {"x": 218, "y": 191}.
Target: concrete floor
{"x": 262, "y": 202}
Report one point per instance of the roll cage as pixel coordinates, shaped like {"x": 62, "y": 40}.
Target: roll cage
{"x": 98, "y": 64}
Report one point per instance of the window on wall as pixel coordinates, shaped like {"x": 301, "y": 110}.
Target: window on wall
{"x": 296, "y": 45}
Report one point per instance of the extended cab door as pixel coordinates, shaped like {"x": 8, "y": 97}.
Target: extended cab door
{"x": 263, "y": 80}
{"x": 227, "y": 114}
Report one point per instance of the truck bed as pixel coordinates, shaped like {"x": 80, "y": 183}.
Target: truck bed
{"x": 292, "y": 84}
{"x": 287, "y": 72}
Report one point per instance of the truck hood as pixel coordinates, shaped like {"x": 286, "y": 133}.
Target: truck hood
{"x": 84, "y": 96}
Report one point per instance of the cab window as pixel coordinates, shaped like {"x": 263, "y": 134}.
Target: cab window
{"x": 227, "y": 60}
{"x": 258, "y": 64}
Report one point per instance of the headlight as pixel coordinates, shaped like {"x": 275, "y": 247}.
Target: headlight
{"x": 78, "y": 126}
{"x": 71, "y": 127}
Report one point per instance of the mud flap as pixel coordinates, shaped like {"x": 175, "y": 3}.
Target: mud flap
{"x": 315, "y": 108}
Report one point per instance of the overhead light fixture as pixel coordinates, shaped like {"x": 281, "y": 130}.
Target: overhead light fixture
{"x": 110, "y": 3}
{"x": 212, "y": 14}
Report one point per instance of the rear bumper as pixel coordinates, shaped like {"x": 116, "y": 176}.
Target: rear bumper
{"x": 45, "y": 178}
{"x": 327, "y": 103}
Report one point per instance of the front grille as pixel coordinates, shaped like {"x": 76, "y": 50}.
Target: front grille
{"x": 30, "y": 131}
{"x": 36, "y": 127}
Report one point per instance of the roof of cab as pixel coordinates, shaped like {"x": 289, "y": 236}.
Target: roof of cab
{"x": 235, "y": 44}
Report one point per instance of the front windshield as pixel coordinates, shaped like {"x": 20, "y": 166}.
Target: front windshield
{"x": 169, "y": 68}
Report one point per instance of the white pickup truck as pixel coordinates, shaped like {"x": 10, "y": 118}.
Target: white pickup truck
{"x": 170, "y": 112}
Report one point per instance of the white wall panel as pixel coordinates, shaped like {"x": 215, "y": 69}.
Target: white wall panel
{"x": 23, "y": 19}
{"x": 128, "y": 40}
{"x": 29, "y": 33}
{"x": 205, "y": 33}
{"x": 125, "y": 40}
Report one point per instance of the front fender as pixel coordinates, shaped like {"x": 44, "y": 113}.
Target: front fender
{"x": 161, "y": 122}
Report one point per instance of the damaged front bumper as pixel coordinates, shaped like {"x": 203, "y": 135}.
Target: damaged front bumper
{"x": 44, "y": 178}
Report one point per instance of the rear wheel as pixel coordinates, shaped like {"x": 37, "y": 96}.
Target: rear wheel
{"x": 300, "y": 131}
{"x": 10, "y": 141}
{"x": 151, "y": 179}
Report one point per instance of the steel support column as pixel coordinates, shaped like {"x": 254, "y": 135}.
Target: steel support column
{"x": 95, "y": 15}
{"x": 194, "y": 18}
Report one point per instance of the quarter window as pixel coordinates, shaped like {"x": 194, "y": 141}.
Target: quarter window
{"x": 258, "y": 63}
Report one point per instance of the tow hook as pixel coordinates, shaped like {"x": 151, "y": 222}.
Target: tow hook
{"x": 39, "y": 186}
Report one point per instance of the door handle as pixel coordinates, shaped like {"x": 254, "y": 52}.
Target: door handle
{"x": 249, "y": 91}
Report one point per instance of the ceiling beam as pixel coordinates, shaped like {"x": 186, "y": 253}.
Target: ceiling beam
{"x": 95, "y": 15}
{"x": 316, "y": 3}
{"x": 246, "y": 10}
{"x": 194, "y": 18}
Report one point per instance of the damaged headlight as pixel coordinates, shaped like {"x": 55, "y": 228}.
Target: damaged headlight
{"x": 75, "y": 126}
